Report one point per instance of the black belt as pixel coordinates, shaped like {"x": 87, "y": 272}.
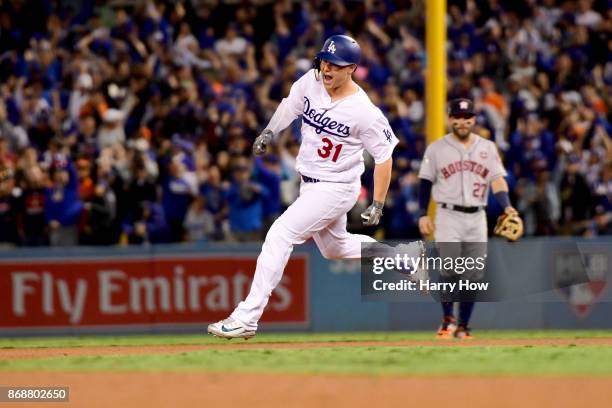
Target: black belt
{"x": 307, "y": 179}
{"x": 460, "y": 208}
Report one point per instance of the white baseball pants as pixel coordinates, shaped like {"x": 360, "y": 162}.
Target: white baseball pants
{"x": 319, "y": 212}
{"x": 455, "y": 226}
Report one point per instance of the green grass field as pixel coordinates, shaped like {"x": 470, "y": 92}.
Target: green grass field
{"x": 261, "y": 355}
{"x": 194, "y": 339}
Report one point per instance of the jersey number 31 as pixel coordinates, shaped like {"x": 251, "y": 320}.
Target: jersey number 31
{"x": 327, "y": 148}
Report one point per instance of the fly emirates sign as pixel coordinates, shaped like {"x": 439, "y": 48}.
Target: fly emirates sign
{"x": 149, "y": 291}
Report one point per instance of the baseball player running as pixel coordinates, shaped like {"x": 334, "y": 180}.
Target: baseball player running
{"x": 458, "y": 169}
{"x": 338, "y": 122}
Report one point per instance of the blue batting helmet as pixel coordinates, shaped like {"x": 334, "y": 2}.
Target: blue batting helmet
{"x": 339, "y": 50}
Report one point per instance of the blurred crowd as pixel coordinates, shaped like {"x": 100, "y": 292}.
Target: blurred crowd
{"x": 132, "y": 121}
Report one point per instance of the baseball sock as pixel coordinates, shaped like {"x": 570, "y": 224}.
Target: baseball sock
{"x": 465, "y": 312}
{"x": 447, "y": 308}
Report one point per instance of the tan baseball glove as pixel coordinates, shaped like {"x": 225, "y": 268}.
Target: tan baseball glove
{"x": 509, "y": 225}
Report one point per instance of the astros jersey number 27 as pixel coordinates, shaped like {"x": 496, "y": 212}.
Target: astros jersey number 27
{"x": 461, "y": 176}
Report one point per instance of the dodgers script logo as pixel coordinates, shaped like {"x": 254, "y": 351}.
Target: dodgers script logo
{"x": 323, "y": 123}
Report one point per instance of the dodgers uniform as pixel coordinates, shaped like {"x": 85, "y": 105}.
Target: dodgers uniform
{"x": 330, "y": 161}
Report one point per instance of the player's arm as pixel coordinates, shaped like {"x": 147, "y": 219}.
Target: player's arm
{"x": 382, "y": 179}
{"x": 425, "y": 225}
{"x": 500, "y": 192}
{"x": 283, "y": 116}
{"x": 498, "y": 182}
{"x": 379, "y": 141}
{"x": 427, "y": 176}
{"x": 286, "y": 112}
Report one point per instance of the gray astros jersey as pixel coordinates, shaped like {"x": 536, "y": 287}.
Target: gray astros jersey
{"x": 461, "y": 176}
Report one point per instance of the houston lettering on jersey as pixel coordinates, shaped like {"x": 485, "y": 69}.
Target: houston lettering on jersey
{"x": 465, "y": 165}
{"x": 323, "y": 123}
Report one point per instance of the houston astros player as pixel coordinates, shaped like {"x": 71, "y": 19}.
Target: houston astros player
{"x": 459, "y": 168}
{"x": 338, "y": 122}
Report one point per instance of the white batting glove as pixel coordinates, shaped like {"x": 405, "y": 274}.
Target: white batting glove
{"x": 371, "y": 216}
{"x": 262, "y": 141}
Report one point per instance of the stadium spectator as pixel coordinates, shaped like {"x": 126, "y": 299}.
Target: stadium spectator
{"x": 33, "y": 218}
{"x": 178, "y": 191}
{"x": 575, "y": 198}
{"x": 213, "y": 192}
{"x": 111, "y": 132}
{"x": 9, "y": 208}
{"x": 267, "y": 173}
{"x": 246, "y": 201}
{"x": 232, "y": 44}
{"x": 63, "y": 205}
{"x": 199, "y": 222}
{"x": 97, "y": 218}
{"x": 539, "y": 200}
{"x": 117, "y": 118}
{"x": 146, "y": 225}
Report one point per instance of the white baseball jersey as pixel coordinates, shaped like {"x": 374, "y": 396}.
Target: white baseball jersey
{"x": 334, "y": 134}
{"x": 461, "y": 176}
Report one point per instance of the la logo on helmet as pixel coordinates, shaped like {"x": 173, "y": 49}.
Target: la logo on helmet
{"x": 332, "y": 47}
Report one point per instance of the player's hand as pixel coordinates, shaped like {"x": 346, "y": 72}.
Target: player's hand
{"x": 262, "y": 141}
{"x": 371, "y": 216}
{"x": 425, "y": 225}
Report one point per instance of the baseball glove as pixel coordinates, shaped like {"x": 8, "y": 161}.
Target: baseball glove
{"x": 509, "y": 225}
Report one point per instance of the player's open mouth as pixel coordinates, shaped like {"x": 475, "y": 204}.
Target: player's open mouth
{"x": 327, "y": 78}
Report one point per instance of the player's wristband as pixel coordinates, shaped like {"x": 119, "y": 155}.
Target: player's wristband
{"x": 503, "y": 199}
{"x": 378, "y": 204}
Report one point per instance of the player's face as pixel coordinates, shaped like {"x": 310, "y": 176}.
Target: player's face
{"x": 334, "y": 76}
{"x": 462, "y": 125}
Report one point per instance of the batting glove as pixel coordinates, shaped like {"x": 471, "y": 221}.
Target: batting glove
{"x": 261, "y": 143}
{"x": 371, "y": 216}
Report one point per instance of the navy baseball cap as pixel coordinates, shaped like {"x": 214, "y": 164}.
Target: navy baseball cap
{"x": 461, "y": 106}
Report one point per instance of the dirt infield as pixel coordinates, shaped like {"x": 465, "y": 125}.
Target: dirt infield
{"x": 162, "y": 389}
{"x": 43, "y": 352}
